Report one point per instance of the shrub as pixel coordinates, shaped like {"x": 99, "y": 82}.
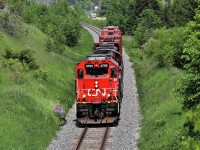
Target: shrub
{"x": 53, "y": 46}
{"x": 146, "y": 23}
{"x": 17, "y": 68}
{"x": 2, "y": 4}
{"x": 10, "y": 23}
{"x": 25, "y": 56}
{"x": 166, "y": 45}
{"x": 41, "y": 74}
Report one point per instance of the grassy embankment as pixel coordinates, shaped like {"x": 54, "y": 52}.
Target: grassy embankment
{"x": 161, "y": 125}
{"x": 27, "y": 120}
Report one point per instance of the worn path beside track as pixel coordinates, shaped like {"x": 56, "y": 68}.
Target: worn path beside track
{"x": 122, "y": 137}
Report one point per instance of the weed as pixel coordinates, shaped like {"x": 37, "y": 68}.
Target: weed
{"x": 41, "y": 74}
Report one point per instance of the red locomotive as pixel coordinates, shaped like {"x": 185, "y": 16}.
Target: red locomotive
{"x": 99, "y": 82}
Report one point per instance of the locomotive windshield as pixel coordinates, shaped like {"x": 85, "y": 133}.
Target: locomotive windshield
{"x": 96, "y": 71}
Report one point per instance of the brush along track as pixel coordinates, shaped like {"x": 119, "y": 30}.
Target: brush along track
{"x": 91, "y": 138}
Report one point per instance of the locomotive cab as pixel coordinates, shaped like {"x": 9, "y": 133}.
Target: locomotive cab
{"x": 98, "y": 93}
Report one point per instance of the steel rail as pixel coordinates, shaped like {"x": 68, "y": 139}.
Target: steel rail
{"x": 81, "y": 138}
{"x": 104, "y": 138}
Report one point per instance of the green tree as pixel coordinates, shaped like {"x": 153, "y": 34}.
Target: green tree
{"x": 184, "y": 11}
{"x": 136, "y": 8}
{"x": 147, "y": 22}
{"x": 190, "y": 88}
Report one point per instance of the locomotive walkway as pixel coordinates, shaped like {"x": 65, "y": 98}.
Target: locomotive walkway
{"x": 122, "y": 137}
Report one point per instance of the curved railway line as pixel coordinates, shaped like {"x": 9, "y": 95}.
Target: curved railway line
{"x": 96, "y": 30}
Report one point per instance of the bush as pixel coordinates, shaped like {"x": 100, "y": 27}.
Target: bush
{"x": 190, "y": 85}
{"x": 53, "y": 46}
{"x": 146, "y": 23}
{"x": 10, "y": 23}
{"x": 61, "y": 23}
{"x": 2, "y": 4}
{"x": 18, "y": 69}
{"x": 166, "y": 45}
{"x": 25, "y": 57}
{"x": 41, "y": 74}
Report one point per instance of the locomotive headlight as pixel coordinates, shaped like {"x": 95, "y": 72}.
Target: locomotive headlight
{"x": 96, "y": 84}
{"x": 108, "y": 95}
{"x": 84, "y": 96}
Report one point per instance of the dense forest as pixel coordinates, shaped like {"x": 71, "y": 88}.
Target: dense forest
{"x": 161, "y": 38}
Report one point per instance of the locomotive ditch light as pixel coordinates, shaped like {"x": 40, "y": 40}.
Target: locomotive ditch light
{"x": 84, "y": 101}
{"x": 108, "y": 95}
{"x": 84, "y": 95}
{"x": 96, "y": 86}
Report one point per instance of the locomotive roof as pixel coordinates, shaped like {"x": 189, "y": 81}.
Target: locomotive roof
{"x": 111, "y": 27}
{"x": 107, "y": 56}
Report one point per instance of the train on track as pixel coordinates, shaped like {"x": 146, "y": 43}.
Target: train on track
{"x": 99, "y": 80}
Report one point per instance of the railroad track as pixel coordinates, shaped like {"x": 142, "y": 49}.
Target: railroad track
{"x": 95, "y": 29}
{"x": 91, "y": 138}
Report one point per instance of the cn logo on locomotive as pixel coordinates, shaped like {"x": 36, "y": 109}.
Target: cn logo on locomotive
{"x": 95, "y": 92}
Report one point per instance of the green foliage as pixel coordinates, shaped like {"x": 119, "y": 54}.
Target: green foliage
{"x": 2, "y": 4}
{"x": 116, "y": 14}
{"x": 25, "y": 57}
{"x": 162, "y": 123}
{"x": 10, "y": 23}
{"x": 97, "y": 23}
{"x": 147, "y": 22}
{"x": 40, "y": 74}
{"x": 184, "y": 11}
{"x": 17, "y": 68}
{"x": 190, "y": 87}
{"x": 58, "y": 20}
{"x": 26, "y": 109}
{"x": 137, "y": 7}
{"x": 169, "y": 13}
{"x": 166, "y": 45}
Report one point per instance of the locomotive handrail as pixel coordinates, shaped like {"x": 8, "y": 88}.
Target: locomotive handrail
{"x": 92, "y": 88}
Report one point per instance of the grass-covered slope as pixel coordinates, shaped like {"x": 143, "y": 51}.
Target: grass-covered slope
{"x": 27, "y": 120}
{"x": 162, "y": 124}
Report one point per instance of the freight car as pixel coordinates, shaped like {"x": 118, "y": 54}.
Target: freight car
{"x": 99, "y": 84}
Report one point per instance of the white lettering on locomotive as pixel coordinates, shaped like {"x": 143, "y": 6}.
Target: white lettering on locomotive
{"x": 95, "y": 92}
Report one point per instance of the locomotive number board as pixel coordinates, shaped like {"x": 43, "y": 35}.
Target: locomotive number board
{"x": 104, "y": 65}
{"x": 89, "y": 66}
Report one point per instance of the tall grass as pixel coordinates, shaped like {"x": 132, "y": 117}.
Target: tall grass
{"x": 162, "y": 125}
{"x": 26, "y": 110}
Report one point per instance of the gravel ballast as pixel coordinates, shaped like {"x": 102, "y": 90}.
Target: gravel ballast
{"x": 122, "y": 137}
